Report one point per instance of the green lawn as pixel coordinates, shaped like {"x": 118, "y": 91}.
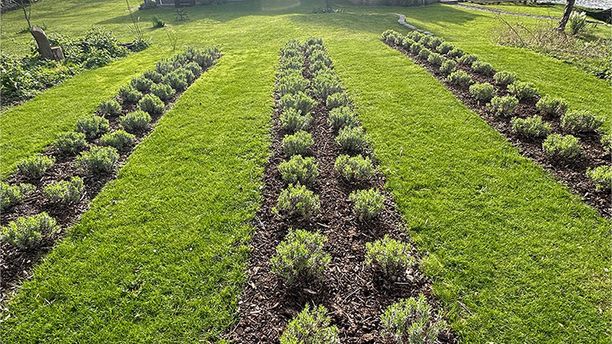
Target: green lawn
{"x": 160, "y": 256}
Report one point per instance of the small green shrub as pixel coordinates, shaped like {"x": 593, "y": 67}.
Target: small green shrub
{"x": 299, "y": 170}
{"x": 298, "y": 201}
{"x": 435, "y": 42}
{"x": 120, "y": 140}
{"x": 448, "y": 67}
{"x": 562, "y": 148}
{"x": 577, "y": 23}
{"x": 177, "y": 80}
{"x": 110, "y": 108}
{"x": 157, "y": 22}
{"x": 601, "y": 177}
{"x": 342, "y": 117}
{"x": 411, "y": 321}
{"x": 444, "y": 48}
{"x": 467, "y": 59}
{"x": 415, "y": 35}
{"x": 34, "y": 167}
{"x": 416, "y": 48}
{"x": 11, "y": 195}
{"x": 531, "y": 127}
{"x": 522, "y": 90}
{"x": 482, "y": 92}
{"x": 503, "y": 106}
{"x": 293, "y": 121}
{"x": 142, "y": 84}
{"x": 194, "y": 68}
{"x": 312, "y": 326}
{"x": 163, "y": 91}
{"x": 70, "y": 143}
{"x": 154, "y": 76}
{"x": 455, "y": 53}
{"x": 299, "y": 101}
{"x": 606, "y": 142}
{"x": 292, "y": 83}
{"x": 355, "y": 169}
{"x": 483, "y": 68}
{"x": 424, "y": 53}
{"x": 92, "y": 126}
{"x": 580, "y": 121}
{"x": 425, "y": 39}
{"x": 551, "y": 107}
{"x": 151, "y": 104}
{"x": 407, "y": 43}
{"x": 98, "y": 160}
{"x": 504, "y": 78}
{"x": 367, "y": 204}
{"x": 460, "y": 78}
{"x": 28, "y": 231}
{"x": 129, "y": 95}
{"x": 352, "y": 140}
{"x": 136, "y": 122}
{"x": 300, "y": 256}
{"x": 435, "y": 59}
{"x": 326, "y": 84}
{"x": 297, "y": 144}
{"x": 65, "y": 191}
{"x": 392, "y": 257}
{"x": 339, "y": 99}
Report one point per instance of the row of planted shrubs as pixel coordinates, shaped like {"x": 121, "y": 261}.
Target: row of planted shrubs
{"x": 94, "y": 147}
{"x": 301, "y": 255}
{"x": 502, "y": 99}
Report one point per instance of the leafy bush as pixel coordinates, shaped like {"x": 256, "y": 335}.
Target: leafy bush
{"x": 109, "y": 108}
{"x": 136, "y": 122}
{"x": 580, "y": 121}
{"x": 11, "y": 195}
{"x": 551, "y": 107}
{"x": 460, "y": 78}
{"x": 467, "y": 59}
{"x": 342, "y": 117}
{"x": 367, "y": 204}
{"x": 435, "y": 59}
{"x": 92, "y": 126}
{"x": 151, "y": 104}
{"x": 606, "y": 142}
{"x": 410, "y": 321}
{"x": 194, "y": 68}
{"x": 177, "y": 80}
{"x": 294, "y": 83}
{"x": 531, "y": 127}
{"x": 444, "y": 48}
{"x": 298, "y": 201}
{"x": 407, "y": 43}
{"x": 142, "y": 84}
{"x": 448, "y": 66}
{"x": 326, "y": 84}
{"x": 34, "y": 167}
{"x": 424, "y": 53}
{"x": 299, "y": 170}
{"x": 98, "y": 160}
{"x": 416, "y": 48}
{"x": 163, "y": 91}
{"x": 601, "y": 177}
{"x": 415, "y": 35}
{"x": 157, "y": 22}
{"x": 339, "y": 99}
{"x": 577, "y": 23}
{"x": 292, "y": 120}
{"x": 503, "y": 106}
{"x": 482, "y": 92}
{"x": 352, "y": 140}
{"x": 120, "y": 140}
{"x": 70, "y": 143}
{"x": 392, "y": 257}
{"x": 389, "y": 36}
{"x": 483, "y": 68}
{"x": 153, "y": 75}
{"x": 564, "y": 148}
{"x": 311, "y": 326}
{"x": 129, "y": 95}
{"x": 28, "y": 231}
{"x": 425, "y": 40}
{"x": 297, "y": 144}
{"x": 435, "y": 42}
{"x": 300, "y": 257}
{"x": 522, "y": 90}
{"x": 355, "y": 169}
{"x": 504, "y": 78}
{"x": 299, "y": 101}
{"x": 455, "y": 53}
{"x": 65, "y": 191}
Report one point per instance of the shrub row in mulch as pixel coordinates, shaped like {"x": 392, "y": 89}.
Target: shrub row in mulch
{"x": 113, "y": 132}
{"x": 341, "y": 298}
{"x": 569, "y": 144}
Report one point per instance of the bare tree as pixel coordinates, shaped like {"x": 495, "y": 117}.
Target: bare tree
{"x": 569, "y": 7}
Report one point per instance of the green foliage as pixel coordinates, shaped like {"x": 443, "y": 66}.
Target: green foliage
{"x": 601, "y": 177}
{"x": 129, "y": 95}
{"x": 65, "y": 191}
{"x": 177, "y": 80}
{"x": 424, "y": 53}
{"x": 151, "y": 104}
{"x": 298, "y": 201}
{"x": 606, "y": 142}
{"x": 300, "y": 257}
{"x": 98, "y": 160}
{"x": 312, "y": 326}
{"x": 503, "y": 106}
{"x": 28, "y": 231}
{"x": 415, "y": 35}
{"x": 297, "y": 144}
{"x": 341, "y": 117}
{"x": 551, "y": 107}
{"x": 154, "y": 76}
{"x": 326, "y": 84}
{"x": 92, "y": 126}
{"x": 410, "y": 321}
{"x": 416, "y": 48}
{"x": 70, "y": 143}
{"x": 136, "y": 122}
{"x": 455, "y": 53}
{"x": 121, "y": 140}
{"x": 435, "y": 42}
{"x": 531, "y": 127}
{"x": 444, "y": 48}
{"x": 293, "y": 121}
{"x": 299, "y": 101}
{"x": 467, "y": 59}
{"x": 34, "y": 167}
{"x": 577, "y": 23}
{"x": 163, "y": 91}
{"x": 435, "y": 59}
{"x": 562, "y": 148}
{"x": 367, "y": 204}
{"x": 142, "y": 84}
{"x": 407, "y": 43}
{"x": 336, "y": 100}
{"x": 522, "y": 90}
{"x": 109, "y": 108}
{"x": 11, "y": 195}
{"x": 504, "y": 78}
{"x": 293, "y": 83}
{"x": 580, "y": 121}
{"x": 482, "y": 92}
{"x": 299, "y": 170}
{"x": 483, "y": 68}
{"x": 352, "y": 139}
{"x": 391, "y": 256}
{"x": 460, "y": 78}
{"x": 354, "y": 169}
{"x": 448, "y": 66}
{"x": 157, "y": 22}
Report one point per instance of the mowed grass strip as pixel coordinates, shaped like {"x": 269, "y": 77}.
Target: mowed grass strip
{"x": 514, "y": 255}
{"x": 160, "y": 256}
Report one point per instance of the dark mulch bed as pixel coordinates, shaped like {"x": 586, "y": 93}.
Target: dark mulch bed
{"x": 572, "y": 175}
{"x": 354, "y": 295}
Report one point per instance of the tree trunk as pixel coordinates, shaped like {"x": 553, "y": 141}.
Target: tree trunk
{"x": 569, "y": 7}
